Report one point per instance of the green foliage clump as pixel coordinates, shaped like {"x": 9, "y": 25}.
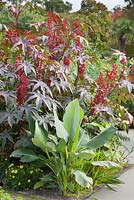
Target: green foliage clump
{"x": 71, "y": 154}
{"x": 6, "y": 196}
{"x": 21, "y": 177}
{"x": 97, "y": 21}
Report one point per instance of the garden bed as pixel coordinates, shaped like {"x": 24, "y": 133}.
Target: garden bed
{"x": 62, "y": 103}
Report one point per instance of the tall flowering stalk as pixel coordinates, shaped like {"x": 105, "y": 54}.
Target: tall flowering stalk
{"x": 105, "y": 86}
{"x": 15, "y": 10}
{"x": 40, "y": 66}
{"x": 22, "y": 86}
{"x": 22, "y": 89}
{"x": 55, "y": 31}
{"x": 12, "y": 35}
{"x": 79, "y": 51}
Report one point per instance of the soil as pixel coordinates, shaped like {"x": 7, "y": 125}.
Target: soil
{"x": 42, "y": 194}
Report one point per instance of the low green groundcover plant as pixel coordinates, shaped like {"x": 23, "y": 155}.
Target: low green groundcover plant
{"x": 18, "y": 176}
{"x": 21, "y": 177}
{"x": 6, "y": 196}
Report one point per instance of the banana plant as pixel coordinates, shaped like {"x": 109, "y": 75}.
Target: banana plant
{"x": 67, "y": 152}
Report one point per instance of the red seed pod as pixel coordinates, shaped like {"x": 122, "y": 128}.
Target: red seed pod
{"x": 105, "y": 86}
{"x": 12, "y": 35}
{"x": 65, "y": 24}
{"x": 22, "y": 89}
{"x": 66, "y": 61}
{"x": 81, "y": 69}
{"x": 40, "y": 72}
{"x": 76, "y": 27}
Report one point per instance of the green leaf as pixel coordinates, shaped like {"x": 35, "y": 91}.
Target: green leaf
{"x": 39, "y": 133}
{"x": 72, "y": 120}
{"x": 60, "y": 130}
{"x": 102, "y": 138}
{"x": 47, "y": 179}
{"x": 82, "y": 179}
{"x": 49, "y": 146}
{"x": 26, "y": 155}
{"x": 107, "y": 164}
{"x": 96, "y": 125}
{"x": 39, "y": 184}
{"x": 40, "y": 139}
{"x": 83, "y": 139}
{"x": 86, "y": 154}
{"x": 31, "y": 122}
{"x": 61, "y": 146}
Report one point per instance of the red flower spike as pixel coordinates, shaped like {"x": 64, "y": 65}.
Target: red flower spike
{"x": 22, "y": 89}
{"x": 65, "y": 24}
{"x": 30, "y": 37}
{"x": 81, "y": 69}
{"x": 76, "y": 27}
{"x": 23, "y": 80}
{"x": 78, "y": 43}
{"x": 40, "y": 72}
{"x": 105, "y": 86}
{"x": 66, "y": 61}
{"x": 12, "y": 35}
